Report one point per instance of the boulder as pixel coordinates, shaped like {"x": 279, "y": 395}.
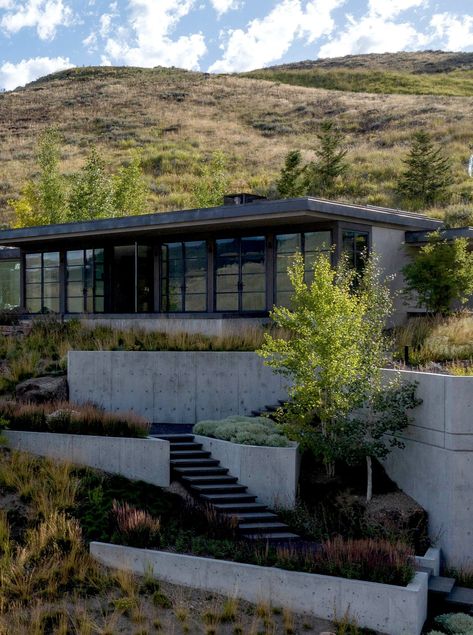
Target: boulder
{"x": 42, "y": 390}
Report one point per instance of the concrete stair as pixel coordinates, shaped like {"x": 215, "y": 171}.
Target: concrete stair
{"x": 445, "y": 596}
{"x": 210, "y": 482}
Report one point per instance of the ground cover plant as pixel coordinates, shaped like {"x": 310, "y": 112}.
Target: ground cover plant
{"x": 67, "y": 418}
{"x": 244, "y": 430}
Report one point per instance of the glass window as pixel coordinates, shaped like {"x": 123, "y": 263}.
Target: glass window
{"x": 9, "y": 284}
{"x": 145, "y": 279}
{"x": 355, "y": 246}
{"x": 84, "y": 281}
{"x": 184, "y": 276}
{"x": 42, "y": 282}
{"x": 310, "y": 245}
{"x": 240, "y": 274}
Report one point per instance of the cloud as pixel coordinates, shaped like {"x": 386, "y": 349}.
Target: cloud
{"x": 44, "y": 15}
{"x": 146, "y": 41}
{"x": 377, "y": 32}
{"x": 455, "y": 31}
{"x": 223, "y": 6}
{"x": 267, "y": 39}
{"x": 13, "y": 75}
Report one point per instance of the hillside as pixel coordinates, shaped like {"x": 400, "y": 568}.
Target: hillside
{"x": 423, "y": 73}
{"x": 176, "y": 119}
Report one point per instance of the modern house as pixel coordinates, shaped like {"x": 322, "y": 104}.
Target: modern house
{"x": 203, "y": 270}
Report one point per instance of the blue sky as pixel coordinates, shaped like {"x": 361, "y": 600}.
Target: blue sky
{"x": 41, "y": 36}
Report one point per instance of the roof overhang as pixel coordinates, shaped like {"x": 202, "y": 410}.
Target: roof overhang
{"x": 422, "y": 237}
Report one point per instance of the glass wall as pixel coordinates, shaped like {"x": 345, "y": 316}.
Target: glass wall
{"x": 42, "y": 282}
{"x": 355, "y": 245}
{"x": 145, "y": 278}
{"x": 85, "y": 281}
{"x": 309, "y": 244}
{"x": 184, "y": 276}
{"x": 240, "y": 274}
{"x": 9, "y": 284}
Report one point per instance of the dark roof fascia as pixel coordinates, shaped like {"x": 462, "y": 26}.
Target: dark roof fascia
{"x": 422, "y": 237}
{"x": 208, "y": 216}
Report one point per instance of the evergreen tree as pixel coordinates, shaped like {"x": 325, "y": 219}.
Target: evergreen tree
{"x": 428, "y": 173}
{"x": 129, "y": 197}
{"x": 290, "y": 183}
{"x": 330, "y": 165}
{"x": 92, "y": 191}
{"x": 213, "y": 182}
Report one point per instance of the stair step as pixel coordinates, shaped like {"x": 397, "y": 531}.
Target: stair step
{"x": 263, "y": 527}
{"x": 255, "y": 517}
{"x": 230, "y": 508}
{"x": 215, "y": 479}
{"x": 441, "y": 585}
{"x": 228, "y": 498}
{"x": 189, "y": 454}
{"x": 194, "y": 463}
{"x": 186, "y": 446}
{"x": 461, "y": 597}
{"x": 201, "y": 471}
{"x": 223, "y": 488}
{"x": 175, "y": 438}
{"x": 285, "y": 536}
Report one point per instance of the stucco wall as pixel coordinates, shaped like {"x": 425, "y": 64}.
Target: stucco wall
{"x": 174, "y": 387}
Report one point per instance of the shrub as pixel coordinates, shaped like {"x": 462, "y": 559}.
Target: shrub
{"x": 136, "y": 527}
{"x": 244, "y": 430}
{"x": 456, "y": 623}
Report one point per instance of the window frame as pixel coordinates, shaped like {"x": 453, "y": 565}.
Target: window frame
{"x": 42, "y": 282}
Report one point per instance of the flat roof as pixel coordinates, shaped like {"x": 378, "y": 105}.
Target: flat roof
{"x": 273, "y": 213}
{"x": 422, "y": 237}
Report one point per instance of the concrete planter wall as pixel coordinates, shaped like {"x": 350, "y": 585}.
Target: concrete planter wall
{"x": 436, "y": 465}
{"x": 137, "y": 459}
{"x": 174, "y": 387}
{"x": 385, "y": 608}
{"x": 272, "y": 474}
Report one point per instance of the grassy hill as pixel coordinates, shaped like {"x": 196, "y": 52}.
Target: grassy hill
{"x": 176, "y": 119}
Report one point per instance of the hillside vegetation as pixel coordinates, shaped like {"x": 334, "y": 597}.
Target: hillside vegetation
{"x": 177, "y": 119}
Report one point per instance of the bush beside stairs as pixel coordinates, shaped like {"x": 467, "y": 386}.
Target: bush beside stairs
{"x": 210, "y": 483}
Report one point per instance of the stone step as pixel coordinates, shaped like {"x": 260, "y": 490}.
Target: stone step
{"x": 175, "y": 438}
{"x": 260, "y": 527}
{"x": 185, "y": 446}
{"x": 175, "y": 463}
{"x": 215, "y": 479}
{"x": 240, "y": 508}
{"x": 189, "y": 454}
{"x": 201, "y": 471}
{"x": 282, "y": 537}
{"x": 441, "y": 585}
{"x": 228, "y": 498}
{"x": 256, "y": 517}
{"x": 232, "y": 488}
{"x": 460, "y": 598}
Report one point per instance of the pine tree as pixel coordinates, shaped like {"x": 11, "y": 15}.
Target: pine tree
{"x": 427, "y": 175}
{"x": 290, "y": 183}
{"x": 129, "y": 197}
{"x": 92, "y": 191}
{"x": 330, "y": 165}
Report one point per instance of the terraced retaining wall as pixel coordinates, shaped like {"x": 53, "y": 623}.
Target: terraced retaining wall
{"x": 381, "y": 607}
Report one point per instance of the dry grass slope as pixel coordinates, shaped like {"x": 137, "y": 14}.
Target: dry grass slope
{"x": 176, "y": 119}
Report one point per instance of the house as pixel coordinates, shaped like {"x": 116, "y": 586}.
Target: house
{"x": 203, "y": 270}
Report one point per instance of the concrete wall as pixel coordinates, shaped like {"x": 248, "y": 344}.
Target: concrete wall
{"x": 381, "y": 607}
{"x": 272, "y": 474}
{"x": 137, "y": 459}
{"x": 436, "y": 465}
{"x": 174, "y": 387}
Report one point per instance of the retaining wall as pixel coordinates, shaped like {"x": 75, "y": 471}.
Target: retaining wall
{"x": 272, "y": 474}
{"x": 174, "y": 387}
{"x": 382, "y": 607}
{"x": 137, "y": 459}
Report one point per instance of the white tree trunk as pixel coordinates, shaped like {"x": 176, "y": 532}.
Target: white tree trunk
{"x": 369, "y": 484}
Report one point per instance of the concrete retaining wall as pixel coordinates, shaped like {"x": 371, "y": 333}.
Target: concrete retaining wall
{"x": 137, "y": 459}
{"x": 385, "y": 608}
{"x": 272, "y": 474}
{"x": 174, "y": 387}
{"x": 436, "y": 465}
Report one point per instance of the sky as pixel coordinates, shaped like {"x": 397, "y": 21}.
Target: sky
{"x": 38, "y": 37}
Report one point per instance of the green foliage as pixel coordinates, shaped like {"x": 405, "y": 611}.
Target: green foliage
{"x": 290, "y": 183}
{"x": 441, "y": 273}
{"x": 459, "y": 217}
{"x": 244, "y": 430}
{"x": 130, "y": 190}
{"x": 456, "y": 623}
{"x": 92, "y": 192}
{"x": 427, "y": 175}
{"x": 323, "y": 173}
{"x": 213, "y": 182}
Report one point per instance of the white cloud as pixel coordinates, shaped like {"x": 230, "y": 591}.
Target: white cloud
{"x": 44, "y": 15}
{"x": 455, "y": 31}
{"x": 146, "y": 41}
{"x": 223, "y": 6}
{"x": 377, "y": 32}
{"x": 13, "y": 75}
{"x": 267, "y": 39}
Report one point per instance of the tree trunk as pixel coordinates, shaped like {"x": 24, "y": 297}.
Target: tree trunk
{"x": 369, "y": 484}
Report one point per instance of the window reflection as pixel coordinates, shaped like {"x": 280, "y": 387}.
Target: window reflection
{"x": 42, "y": 282}
{"x": 184, "y": 276}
